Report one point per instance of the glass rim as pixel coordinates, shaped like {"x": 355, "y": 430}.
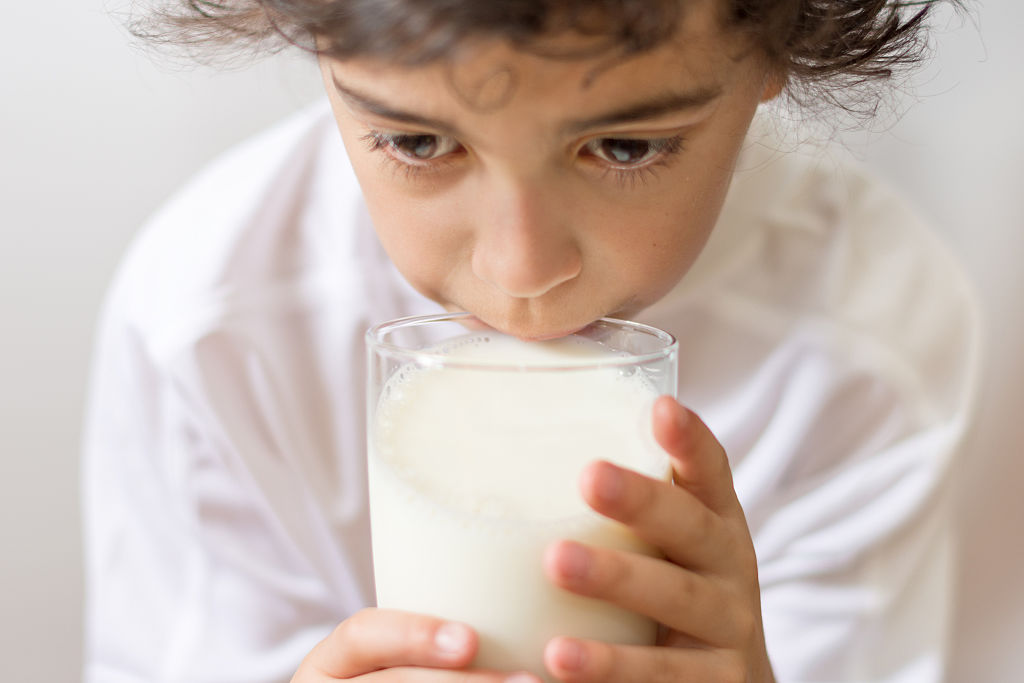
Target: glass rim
{"x": 375, "y": 341}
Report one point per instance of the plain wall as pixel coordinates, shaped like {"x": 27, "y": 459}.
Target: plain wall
{"x": 93, "y": 136}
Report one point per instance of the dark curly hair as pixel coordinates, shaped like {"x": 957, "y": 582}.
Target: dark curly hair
{"x": 825, "y": 47}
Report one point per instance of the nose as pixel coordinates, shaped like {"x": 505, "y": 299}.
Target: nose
{"x": 524, "y": 246}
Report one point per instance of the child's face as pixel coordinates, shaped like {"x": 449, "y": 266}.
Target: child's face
{"x": 510, "y": 186}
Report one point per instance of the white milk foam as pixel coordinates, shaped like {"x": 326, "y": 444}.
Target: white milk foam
{"x": 473, "y": 471}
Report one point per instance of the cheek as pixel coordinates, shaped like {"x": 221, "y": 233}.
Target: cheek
{"x": 423, "y": 238}
{"x": 405, "y": 210}
{"x": 652, "y": 249}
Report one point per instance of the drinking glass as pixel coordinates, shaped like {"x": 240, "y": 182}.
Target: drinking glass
{"x": 476, "y": 442}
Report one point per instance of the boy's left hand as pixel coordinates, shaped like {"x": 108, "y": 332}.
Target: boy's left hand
{"x": 704, "y": 591}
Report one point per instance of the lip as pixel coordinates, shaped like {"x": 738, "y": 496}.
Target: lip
{"x": 545, "y": 336}
{"x": 477, "y": 323}
{"x": 549, "y": 337}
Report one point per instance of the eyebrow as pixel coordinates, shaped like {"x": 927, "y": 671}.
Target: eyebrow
{"x": 669, "y": 103}
{"x": 374, "y": 106}
{"x": 640, "y": 111}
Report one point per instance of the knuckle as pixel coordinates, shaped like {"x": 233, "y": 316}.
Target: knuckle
{"x": 703, "y": 527}
{"x": 749, "y": 561}
{"x": 684, "y": 592}
{"x": 603, "y": 662}
{"x": 464, "y": 676}
{"x": 420, "y": 634}
{"x": 745, "y": 625}
{"x": 351, "y": 629}
{"x": 616, "y": 577}
{"x": 732, "y": 670}
{"x": 664, "y": 669}
{"x": 643, "y": 501}
{"x": 739, "y": 546}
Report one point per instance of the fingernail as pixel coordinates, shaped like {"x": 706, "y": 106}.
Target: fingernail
{"x": 452, "y": 638}
{"x": 574, "y": 561}
{"x": 570, "y": 655}
{"x": 610, "y": 484}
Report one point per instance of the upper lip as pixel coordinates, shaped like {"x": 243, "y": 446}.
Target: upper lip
{"x": 546, "y": 337}
{"x": 524, "y": 334}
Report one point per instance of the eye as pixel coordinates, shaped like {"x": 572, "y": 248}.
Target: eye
{"x": 630, "y": 151}
{"x": 415, "y": 148}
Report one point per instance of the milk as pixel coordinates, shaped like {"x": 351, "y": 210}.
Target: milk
{"x": 474, "y": 471}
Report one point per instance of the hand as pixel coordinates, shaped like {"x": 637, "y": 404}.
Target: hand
{"x": 386, "y": 645}
{"x": 704, "y": 592}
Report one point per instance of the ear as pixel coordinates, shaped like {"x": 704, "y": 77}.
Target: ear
{"x": 774, "y": 83}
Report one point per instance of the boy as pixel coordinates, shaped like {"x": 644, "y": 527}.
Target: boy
{"x": 540, "y": 165}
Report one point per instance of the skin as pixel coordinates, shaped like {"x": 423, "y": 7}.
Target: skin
{"x": 499, "y": 185}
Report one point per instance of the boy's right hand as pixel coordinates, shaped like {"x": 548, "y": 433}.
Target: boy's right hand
{"x": 386, "y": 645}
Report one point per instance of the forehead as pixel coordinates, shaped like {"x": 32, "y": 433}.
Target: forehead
{"x": 551, "y": 79}
{"x": 700, "y": 44}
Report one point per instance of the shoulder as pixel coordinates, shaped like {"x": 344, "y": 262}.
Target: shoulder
{"x": 831, "y": 341}
{"x": 250, "y": 226}
{"x": 816, "y": 259}
{"x": 847, "y": 250}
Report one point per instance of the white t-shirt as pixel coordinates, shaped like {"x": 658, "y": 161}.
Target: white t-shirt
{"x": 826, "y": 339}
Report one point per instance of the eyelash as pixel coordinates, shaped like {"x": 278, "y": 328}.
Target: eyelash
{"x": 639, "y": 175}
{"x": 380, "y": 141}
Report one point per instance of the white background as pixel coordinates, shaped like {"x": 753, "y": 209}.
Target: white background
{"x": 93, "y": 136}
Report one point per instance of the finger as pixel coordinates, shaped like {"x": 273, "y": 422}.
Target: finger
{"x": 588, "y": 661}
{"x": 416, "y": 675}
{"x": 374, "y": 639}
{"x": 699, "y": 462}
{"x": 666, "y": 516}
{"x": 679, "y": 599}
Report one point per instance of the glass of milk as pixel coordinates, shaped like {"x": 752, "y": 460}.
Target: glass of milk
{"x": 476, "y": 444}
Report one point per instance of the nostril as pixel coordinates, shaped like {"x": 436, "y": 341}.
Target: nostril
{"x": 524, "y": 275}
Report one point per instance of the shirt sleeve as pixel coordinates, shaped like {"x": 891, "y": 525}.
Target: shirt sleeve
{"x": 854, "y": 540}
{"x": 211, "y": 552}
{"x": 225, "y": 528}
{"x": 853, "y": 350}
